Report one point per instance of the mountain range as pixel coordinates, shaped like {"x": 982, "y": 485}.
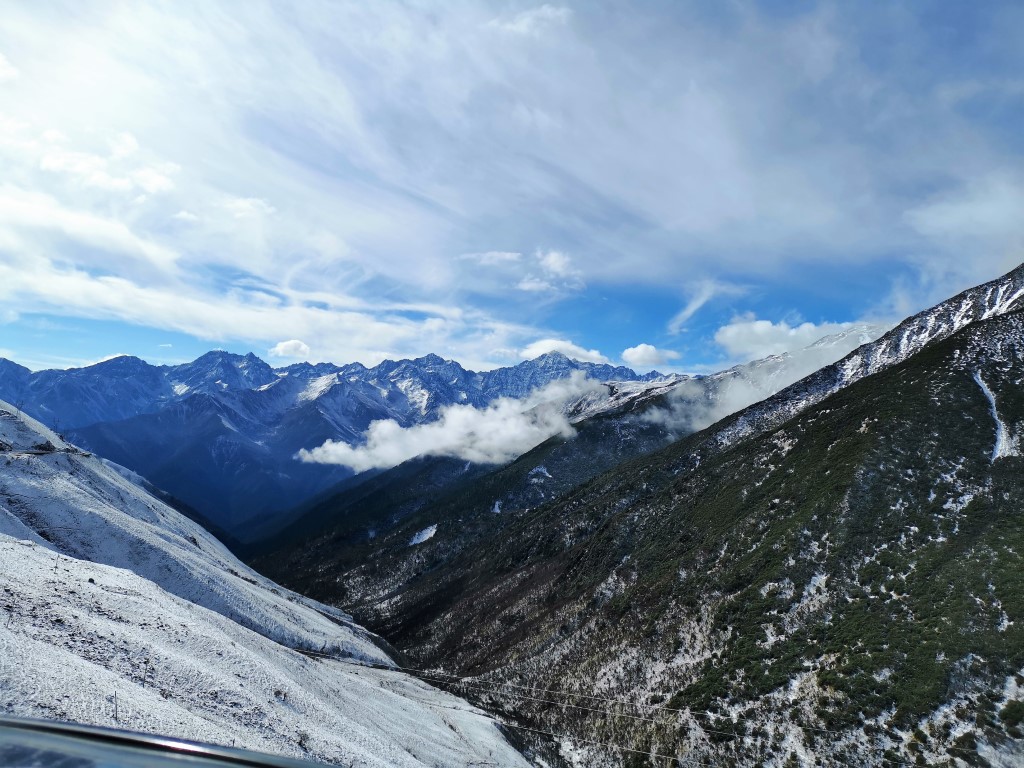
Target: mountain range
{"x": 810, "y": 559}
{"x": 221, "y": 434}
{"x": 829, "y": 576}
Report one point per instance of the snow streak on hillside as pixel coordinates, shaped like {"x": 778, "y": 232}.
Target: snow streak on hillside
{"x": 105, "y": 591}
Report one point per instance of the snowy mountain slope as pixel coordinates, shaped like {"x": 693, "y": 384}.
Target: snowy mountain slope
{"x": 104, "y": 590}
{"x": 992, "y": 299}
{"x": 841, "y": 589}
{"x": 364, "y": 527}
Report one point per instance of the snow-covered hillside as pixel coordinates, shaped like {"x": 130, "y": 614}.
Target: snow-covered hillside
{"x": 106, "y": 592}
{"x": 995, "y": 298}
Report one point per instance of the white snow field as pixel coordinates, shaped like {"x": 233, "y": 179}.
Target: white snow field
{"x": 116, "y": 610}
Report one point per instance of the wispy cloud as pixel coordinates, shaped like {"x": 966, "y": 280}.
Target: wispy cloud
{"x": 703, "y": 292}
{"x": 354, "y": 152}
{"x": 492, "y": 435}
{"x": 567, "y": 348}
{"x": 7, "y": 70}
{"x": 534, "y": 21}
{"x": 647, "y": 356}
{"x": 24, "y": 211}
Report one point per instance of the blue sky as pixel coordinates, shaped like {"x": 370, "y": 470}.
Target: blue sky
{"x": 680, "y": 185}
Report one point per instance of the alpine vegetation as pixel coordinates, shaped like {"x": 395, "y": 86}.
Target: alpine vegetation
{"x": 828, "y": 577}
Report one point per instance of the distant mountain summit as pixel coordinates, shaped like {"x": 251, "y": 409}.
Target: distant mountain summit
{"x": 221, "y": 432}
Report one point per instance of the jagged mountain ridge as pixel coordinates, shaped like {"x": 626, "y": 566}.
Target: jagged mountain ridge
{"x": 992, "y": 299}
{"x": 624, "y": 420}
{"x": 221, "y": 432}
{"x": 405, "y": 390}
{"x": 784, "y": 577}
{"x": 105, "y": 591}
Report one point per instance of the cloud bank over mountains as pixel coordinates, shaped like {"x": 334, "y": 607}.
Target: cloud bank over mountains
{"x": 500, "y": 432}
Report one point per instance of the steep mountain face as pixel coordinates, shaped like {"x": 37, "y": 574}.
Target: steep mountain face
{"x": 525, "y": 377}
{"x": 621, "y": 421}
{"x": 221, "y": 432}
{"x": 344, "y": 527}
{"x": 829, "y": 577}
{"x": 115, "y": 610}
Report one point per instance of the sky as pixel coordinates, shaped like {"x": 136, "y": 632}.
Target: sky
{"x": 680, "y": 185}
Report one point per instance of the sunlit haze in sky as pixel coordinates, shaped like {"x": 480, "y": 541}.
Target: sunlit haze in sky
{"x": 672, "y": 185}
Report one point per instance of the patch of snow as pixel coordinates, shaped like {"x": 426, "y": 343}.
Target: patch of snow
{"x": 1006, "y": 444}
{"x": 424, "y": 535}
{"x": 318, "y": 386}
{"x": 81, "y": 632}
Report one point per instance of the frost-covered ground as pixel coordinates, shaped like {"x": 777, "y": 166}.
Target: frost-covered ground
{"x": 105, "y": 593}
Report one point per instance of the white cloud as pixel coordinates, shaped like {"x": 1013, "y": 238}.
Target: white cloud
{"x": 982, "y": 218}
{"x": 492, "y": 258}
{"x": 567, "y": 348}
{"x": 184, "y": 215}
{"x": 390, "y": 137}
{"x": 123, "y": 145}
{"x": 747, "y": 338}
{"x": 106, "y": 173}
{"x": 703, "y": 292}
{"x": 534, "y": 21}
{"x": 290, "y": 348}
{"x": 988, "y": 209}
{"x": 533, "y": 284}
{"x": 327, "y": 322}
{"x": 21, "y": 209}
{"x": 693, "y": 406}
{"x": 88, "y": 169}
{"x": 153, "y": 180}
{"x": 8, "y": 71}
{"x": 492, "y": 435}
{"x": 248, "y": 207}
{"x": 647, "y": 355}
{"x": 557, "y": 263}
{"x": 558, "y": 275}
